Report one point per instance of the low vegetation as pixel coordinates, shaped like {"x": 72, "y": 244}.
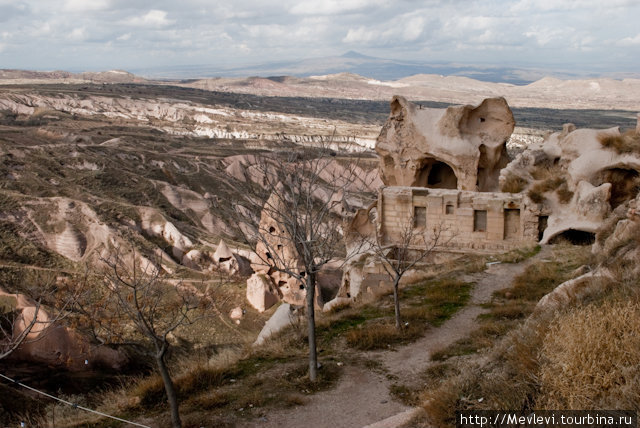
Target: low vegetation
{"x": 629, "y": 142}
{"x": 537, "y": 191}
{"x": 545, "y": 360}
{"x": 248, "y": 382}
{"x": 514, "y": 184}
{"x": 574, "y": 374}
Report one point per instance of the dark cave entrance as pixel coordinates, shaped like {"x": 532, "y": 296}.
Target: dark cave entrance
{"x": 574, "y": 237}
{"x": 437, "y": 175}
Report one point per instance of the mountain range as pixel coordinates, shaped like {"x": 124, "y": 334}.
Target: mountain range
{"x": 376, "y": 68}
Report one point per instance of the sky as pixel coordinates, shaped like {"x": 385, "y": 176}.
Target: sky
{"x": 91, "y": 35}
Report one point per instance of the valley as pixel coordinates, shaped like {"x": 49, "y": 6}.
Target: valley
{"x": 89, "y": 167}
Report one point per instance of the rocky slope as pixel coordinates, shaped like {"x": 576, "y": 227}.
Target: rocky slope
{"x": 185, "y": 117}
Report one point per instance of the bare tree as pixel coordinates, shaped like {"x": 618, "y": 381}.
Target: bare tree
{"x": 134, "y": 305}
{"x": 301, "y": 223}
{"x": 410, "y": 247}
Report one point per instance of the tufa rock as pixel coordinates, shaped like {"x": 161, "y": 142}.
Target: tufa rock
{"x": 260, "y": 292}
{"x": 461, "y": 147}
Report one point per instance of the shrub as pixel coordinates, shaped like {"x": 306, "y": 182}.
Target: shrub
{"x": 564, "y": 194}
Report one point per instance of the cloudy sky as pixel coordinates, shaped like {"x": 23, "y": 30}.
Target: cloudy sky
{"x": 590, "y": 35}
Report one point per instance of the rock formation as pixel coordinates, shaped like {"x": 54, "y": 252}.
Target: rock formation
{"x": 577, "y": 176}
{"x": 285, "y": 316}
{"x": 461, "y": 147}
{"x": 51, "y": 343}
{"x": 274, "y": 255}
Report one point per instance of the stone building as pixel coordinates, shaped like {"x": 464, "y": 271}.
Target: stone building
{"x": 441, "y": 171}
{"x": 466, "y": 221}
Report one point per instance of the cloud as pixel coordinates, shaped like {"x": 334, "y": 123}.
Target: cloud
{"x": 544, "y": 36}
{"x": 333, "y": 7}
{"x": 152, "y": 19}
{"x": 561, "y": 6}
{"x": 10, "y": 11}
{"x": 86, "y": 5}
{"x": 78, "y": 34}
{"x": 630, "y": 41}
{"x": 145, "y": 33}
{"x": 413, "y": 29}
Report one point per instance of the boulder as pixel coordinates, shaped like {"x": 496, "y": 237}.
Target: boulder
{"x": 286, "y": 315}
{"x": 236, "y": 313}
{"x": 260, "y": 292}
{"x": 223, "y": 253}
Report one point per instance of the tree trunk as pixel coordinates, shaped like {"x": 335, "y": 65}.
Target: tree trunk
{"x": 169, "y": 388}
{"x": 396, "y": 302}
{"x": 311, "y": 323}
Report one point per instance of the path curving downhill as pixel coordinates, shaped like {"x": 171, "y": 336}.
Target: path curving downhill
{"x": 361, "y": 397}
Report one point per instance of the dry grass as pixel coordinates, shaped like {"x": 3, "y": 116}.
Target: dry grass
{"x": 514, "y": 184}
{"x": 629, "y": 142}
{"x": 509, "y": 377}
{"x": 591, "y": 359}
{"x": 546, "y": 172}
{"x": 537, "y": 191}
{"x": 380, "y": 335}
{"x": 517, "y": 255}
{"x": 564, "y": 194}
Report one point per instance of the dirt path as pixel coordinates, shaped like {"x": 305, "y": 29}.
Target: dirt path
{"x": 362, "y": 396}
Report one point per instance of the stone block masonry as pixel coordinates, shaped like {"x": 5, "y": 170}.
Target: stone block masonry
{"x": 483, "y": 222}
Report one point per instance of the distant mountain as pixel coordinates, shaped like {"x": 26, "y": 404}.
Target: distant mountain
{"x": 357, "y": 63}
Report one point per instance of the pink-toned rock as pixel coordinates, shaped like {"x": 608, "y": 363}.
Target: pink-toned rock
{"x": 51, "y": 343}
{"x": 236, "y": 313}
{"x": 260, "y": 292}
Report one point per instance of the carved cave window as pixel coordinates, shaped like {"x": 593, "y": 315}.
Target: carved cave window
{"x": 419, "y": 216}
{"x": 479, "y": 220}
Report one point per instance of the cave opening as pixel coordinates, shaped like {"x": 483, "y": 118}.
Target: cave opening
{"x": 436, "y": 175}
{"x": 574, "y": 237}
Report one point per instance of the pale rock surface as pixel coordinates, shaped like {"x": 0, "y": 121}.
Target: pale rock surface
{"x": 461, "y": 147}
{"x": 155, "y": 224}
{"x": 336, "y": 303}
{"x": 236, "y": 313}
{"x": 286, "y": 315}
{"x": 231, "y": 262}
{"x": 260, "y": 292}
{"x": 599, "y": 177}
{"x": 586, "y": 211}
{"x": 625, "y": 221}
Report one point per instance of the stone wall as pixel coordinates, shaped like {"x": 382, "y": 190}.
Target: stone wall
{"x": 481, "y": 222}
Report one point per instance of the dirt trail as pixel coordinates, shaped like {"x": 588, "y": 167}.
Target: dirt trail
{"x": 362, "y": 396}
